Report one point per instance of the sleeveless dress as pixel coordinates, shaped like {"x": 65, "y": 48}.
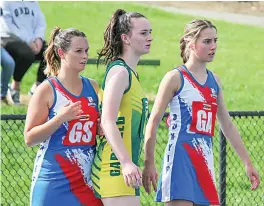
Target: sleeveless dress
{"x": 62, "y": 168}
{"x": 107, "y": 174}
{"x": 188, "y": 167}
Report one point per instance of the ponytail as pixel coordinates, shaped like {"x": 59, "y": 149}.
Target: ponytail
{"x": 112, "y": 39}
{"x": 51, "y": 55}
{"x": 183, "y": 50}
{"x": 59, "y": 39}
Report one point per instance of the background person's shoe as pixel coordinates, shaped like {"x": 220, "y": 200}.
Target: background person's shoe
{"x": 4, "y": 100}
{"x": 15, "y": 96}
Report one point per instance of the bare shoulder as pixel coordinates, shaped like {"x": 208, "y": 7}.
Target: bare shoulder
{"x": 43, "y": 94}
{"x": 171, "y": 81}
{"x": 45, "y": 86}
{"x": 120, "y": 72}
{"x": 119, "y": 78}
{"x": 118, "y": 69}
{"x": 173, "y": 77}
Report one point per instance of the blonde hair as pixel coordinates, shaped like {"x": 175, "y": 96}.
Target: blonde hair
{"x": 59, "y": 38}
{"x": 192, "y": 31}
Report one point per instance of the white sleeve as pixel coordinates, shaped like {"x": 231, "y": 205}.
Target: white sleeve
{"x": 7, "y": 20}
{"x": 40, "y": 24}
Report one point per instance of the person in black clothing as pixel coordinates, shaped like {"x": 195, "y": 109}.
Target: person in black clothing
{"x": 23, "y": 36}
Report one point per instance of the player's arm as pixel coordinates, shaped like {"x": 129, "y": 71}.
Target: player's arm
{"x": 169, "y": 85}
{"x": 117, "y": 82}
{"x": 167, "y": 88}
{"x": 37, "y": 128}
{"x": 228, "y": 128}
{"x": 232, "y": 134}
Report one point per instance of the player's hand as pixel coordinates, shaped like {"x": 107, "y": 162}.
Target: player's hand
{"x": 39, "y": 45}
{"x": 150, "y": 177}
{"x": 33, "y": 47}
{"x": 70, "y": 111}
{"x": 253, "y": 176}
{"x": 132, "y": 175}
{"x": 100, "y": 131}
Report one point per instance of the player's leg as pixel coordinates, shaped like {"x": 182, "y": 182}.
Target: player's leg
{"x": 121, "y": 201}
{"x": 179, "y": 203}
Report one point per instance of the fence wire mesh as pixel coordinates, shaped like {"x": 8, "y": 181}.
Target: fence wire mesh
{"x": 233, "y": 185}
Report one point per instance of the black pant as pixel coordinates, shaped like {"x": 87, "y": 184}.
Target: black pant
{"x": 42, "y": 64}
{"x": 24, "y": 57}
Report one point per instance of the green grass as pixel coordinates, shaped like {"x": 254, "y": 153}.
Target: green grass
{"x": 239, "y": 63}
{"x": 17, "y": 163}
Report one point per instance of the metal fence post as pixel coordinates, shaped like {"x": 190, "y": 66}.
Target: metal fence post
{"x": 222, "y": 169}
{"x": 17, "y": 160}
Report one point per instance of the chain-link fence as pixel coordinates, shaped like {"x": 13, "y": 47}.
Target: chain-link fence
{"x": 232, "y": 182}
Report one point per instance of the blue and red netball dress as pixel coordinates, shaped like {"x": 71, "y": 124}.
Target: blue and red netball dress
{"x": 188, "y": 167}
{"x": 62, "y": 169}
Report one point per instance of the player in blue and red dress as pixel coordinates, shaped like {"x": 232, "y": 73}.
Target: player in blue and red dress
{"x": 195, "y": 98}
{"x": 63, "y": 118}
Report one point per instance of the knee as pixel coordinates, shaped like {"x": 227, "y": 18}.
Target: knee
{"x": 20, "y": 51}
{"x": 11, "y": 64}
{"x": 26, "y": 57}
{"x": 30, "y": 56}
{"x": 8, "y": 62}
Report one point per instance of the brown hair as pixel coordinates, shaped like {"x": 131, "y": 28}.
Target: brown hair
{"x": 59, "y": 38}
{"x": 120, "y": 23}
{"x": 192, "y": 31}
